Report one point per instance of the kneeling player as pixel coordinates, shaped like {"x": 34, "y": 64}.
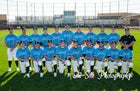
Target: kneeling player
{"x": 126, "y": 56}
{"x": 100, "y": 56}
{"x": 113, "y": 58}
{"x": 75, "y": 53}
{"x": 49, "y": 53}
{"x": 88, "y": 52}
{"x": 37, "y": 55}
{"x": 61, "y": 54}
{"x": 23, "y": 55}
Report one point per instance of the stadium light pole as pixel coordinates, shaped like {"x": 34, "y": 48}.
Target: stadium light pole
{"x": 17, "y": 14}
{"x": 8, "y": 13}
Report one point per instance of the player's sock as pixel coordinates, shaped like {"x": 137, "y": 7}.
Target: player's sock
{"x": 130, "y": 70}
{"x": 30, "y": 62}
{"x": 27, "y": 69}
{"x": 80, "y": 68}
{"x": 105, "y": 69}
{"x": 16, "y": 61}
{"x": 119, "y": 68}
{"x": 41, "y": 70}
{"x": 9, "y": 63}
{"x": 44, "y": 64}
{"x": 55, "y": 68}
{"x": 69, "y": 69}
{"x": 91, "y": 68}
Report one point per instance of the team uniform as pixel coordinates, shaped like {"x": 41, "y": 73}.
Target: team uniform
{"x": 114, "y": 59}
{"x": 126, "y": 55}
{"x": 37, "y": 55}
{"x": 11, "y": 42}
{"x": 62, "y": 54}
{"x": 113, "y": 37}
{"x": 102, "y": 37}
{"x": 80, "y": 37}
{"x": 92, "y": 37}
{"x": 49, "y": 52}
{"x": 34, "y": 38}
{"x": 56, "y": 37}
{"x": 67, "y": 36}
{"x": 25, "y": 39}
{"x": 23, "y": 56}
{"x": 101, "y": 55}
{"x": 76, "y": 54}
{"x": 89, "y": 54}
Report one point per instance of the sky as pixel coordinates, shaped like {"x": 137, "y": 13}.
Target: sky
{"x": 56, "y": 7}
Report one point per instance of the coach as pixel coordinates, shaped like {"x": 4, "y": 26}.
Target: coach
{"x": 127, "y": 38}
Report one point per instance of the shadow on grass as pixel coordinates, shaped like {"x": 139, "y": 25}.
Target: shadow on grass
{"x": 61, "y": 83}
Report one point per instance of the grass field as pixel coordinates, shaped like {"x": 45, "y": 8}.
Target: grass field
{"x": 15, "y": 81}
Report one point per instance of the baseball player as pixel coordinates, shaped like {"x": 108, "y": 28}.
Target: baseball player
{"x": 79, "y": 36}
{"x": 35, "y": 37}
{"x": 100, "y": 56}
{"x": 11, "y": 44}
{"x": 49, "y": 53}
{"x": 89, "y": 56}
{"x": 56, "y": 37}
{"x": 37, "y": 55}
{"x": 67, "y": 35}
{"x": 62, "y": 56}
{"x": 23, "y": 55}
{"x": 113, "y": 36}
{"x": 126, "y": 57}
{"x": 102, "y": 36}
{"x": 113, "y": 55}
{"x": 44, "y": 42}
{"x": 76, "y": 54}
{"x": 91, "y": 35}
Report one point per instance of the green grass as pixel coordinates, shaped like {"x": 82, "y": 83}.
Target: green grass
{"x": 14, "y": 81}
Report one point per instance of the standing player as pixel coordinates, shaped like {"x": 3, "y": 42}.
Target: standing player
{"x": 62, "y": 56}
{"x": 35, "y": 37}
{"x": 67, "y": 35}
{"x": 113, "y": 55}
{"x": 11, "y": 44}
{"x": 79, "y": 36}
{"x": 49, "y": 53}
{"x": 37, "y": 55}
{"x": 44, "y": 42}
{"x": 102, "y": 36}
{"x": 126, "y": 57}
{"x": 23, "y": 55}
{"x": 24, "y": 37}
{"x": 76, "y": 53}
{"x": 89, "y": 56}
{"x": 113, "y": 36}
{"x": 56, "y": 37}
{"x": 130, "y": 39}
{"x": 91, "y": 36}
{"x": 100, "y": 56}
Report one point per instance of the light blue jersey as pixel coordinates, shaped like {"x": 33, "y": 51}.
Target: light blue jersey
{"x": 23, "y": 54}
{"x": 91, "y": 36}
{"x": 35, "y": 38}
{"x": 102, "y": 37}
{"x": 25, "y": 39}
{"x": 89, "y": 51}
{"x": 101, "y": 54}
{"x": 11, "y": 40}
{"x": 49, "y": 52}
{"x": 62, "y": 52}
{"x": 44, "y": 39}
{"x": 80, "y": 37}
{"x": 113, "y": 37}
{"x": 56, "y": 38}
{"x": 37, "y": 54}
{"x": 114, "y": 54}
{"x": 75, "y": 52}
{"x": 126, "y": 54}
{"x": 67, "y": 36}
